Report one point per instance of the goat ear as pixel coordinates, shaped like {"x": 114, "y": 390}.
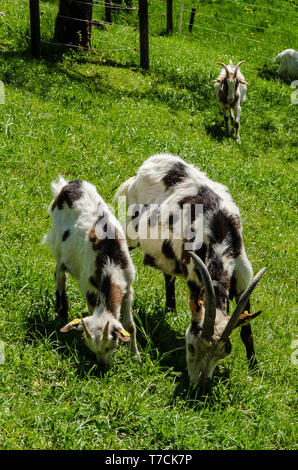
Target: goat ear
{"x": 122, "y": 335}
{"x": 240, "y": 80}
{"x": 75, "y": 324}
{"x": 196, "y": 308}
{"x": 246, "y": 317}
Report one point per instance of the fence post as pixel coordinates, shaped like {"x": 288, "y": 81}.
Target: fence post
{"x": 35, "y": 28}
{"x": 181, "y": 17}
{"x": 144, "y": 38}
{"x": 192, "y": 18}
{"x": 108, "y": 9}
{"x": 169, "y": 16}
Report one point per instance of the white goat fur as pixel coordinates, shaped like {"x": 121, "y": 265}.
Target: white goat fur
{"x": 71, "y": 244}
{"x": 148, "y": 187}
{"x": 288, "y": 68}
{"x": 231, "y": 99}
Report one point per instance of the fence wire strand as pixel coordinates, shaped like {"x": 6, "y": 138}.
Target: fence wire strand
{"x": 198, "y": 13}
{"x": 236, "y": 2}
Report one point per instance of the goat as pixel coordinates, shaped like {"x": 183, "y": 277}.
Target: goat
{"x": 288, "y": 68}
{"x": 162, "y": 198}
{"x": 230, "y": 92}
{"x": 88, "y": 242}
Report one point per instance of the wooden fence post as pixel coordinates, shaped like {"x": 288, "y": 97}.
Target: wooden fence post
{"x": 35, "y": 28}
{"x": 144, "y": 38}
{"x": 169, "y": 16}
{"x": 192, "y": 18}
{"x": 181, "y": 16}
{"x": 108, "y": 9}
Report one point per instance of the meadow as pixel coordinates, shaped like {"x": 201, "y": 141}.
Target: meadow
{"x": 97, "y": 117}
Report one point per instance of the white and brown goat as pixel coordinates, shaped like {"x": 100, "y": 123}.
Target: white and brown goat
{"x": 88, "y": 242}
{"x": 208, "y": 252}
{"x": 230, "y": 92}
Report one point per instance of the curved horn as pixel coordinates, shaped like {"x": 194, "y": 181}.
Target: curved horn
{"x": 241, "y": 305}
{"x": 224, "y": 66}
{"x": 86, "y": 329}
{"x": 210, "y": 305}
{"x": 105, "y": 334}
{"x": 237, "y": 67}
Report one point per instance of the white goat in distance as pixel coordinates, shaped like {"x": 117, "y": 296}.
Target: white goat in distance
{"x": 230, "y": 92}
{"x": 288, "y": 69}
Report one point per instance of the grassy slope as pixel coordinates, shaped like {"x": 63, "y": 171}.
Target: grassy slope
{"x": 97, "y": 121}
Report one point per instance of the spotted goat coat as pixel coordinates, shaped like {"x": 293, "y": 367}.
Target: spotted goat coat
{"x": 88, "y": 242}
{"x": 156, "y": 196}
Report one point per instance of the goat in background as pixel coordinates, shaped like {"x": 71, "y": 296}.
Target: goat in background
{"x": 230, "y": 92}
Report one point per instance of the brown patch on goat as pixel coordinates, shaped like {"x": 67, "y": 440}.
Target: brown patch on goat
{"x": 112, "y": 295}
{"x": 175, "y": 175}
{"x": 69, "y": 194}
{"x": 205, "y": 196}
{"x": 106, "y": 249}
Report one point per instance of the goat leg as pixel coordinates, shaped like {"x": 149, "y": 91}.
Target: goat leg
{"x": 170, "y": 292}
{"x": 248, "y": 341}
{"x": 61, "y": 299}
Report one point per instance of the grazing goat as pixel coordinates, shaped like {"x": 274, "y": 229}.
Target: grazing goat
{"x": 230, "y": 92}
{"x": 288, "y": 69}
{"x": 162, "y": 198}
{"x": 88, "y": 242}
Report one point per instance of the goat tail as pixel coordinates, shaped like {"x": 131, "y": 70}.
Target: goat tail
{"x": 123, "y": 189}
{"x": 58, "y": 185}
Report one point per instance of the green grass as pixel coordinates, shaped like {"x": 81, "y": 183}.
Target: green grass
{"x": 98, "y": 117}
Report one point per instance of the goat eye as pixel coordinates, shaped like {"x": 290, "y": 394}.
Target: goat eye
{"x": 228, "y": 347}
{"x": 191, "y": 348}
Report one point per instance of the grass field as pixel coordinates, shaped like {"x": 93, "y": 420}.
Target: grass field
{"x": 98, "y": 117}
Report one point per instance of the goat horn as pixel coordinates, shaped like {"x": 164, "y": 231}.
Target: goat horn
{"x": 224, "y": 66}
{"x": 86, "y": 329}
{"x": 237, "y": 67}
{"x": 210, "y": 305}
{"x": 241, "y": 306}
{"x": 105, "y": 334}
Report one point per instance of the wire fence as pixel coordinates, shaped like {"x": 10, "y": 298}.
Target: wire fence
{"x": 195, "y": 24}
{"x": 206, "y": 27}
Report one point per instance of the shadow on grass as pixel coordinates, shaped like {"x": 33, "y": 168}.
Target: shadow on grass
{"x": 216, "y": 131}
{"x": 168, "y": 347}
{"x": 157, "y": 336}
{"x": 62, "y": 66}
{"x": 267, "y": 72}
{"x": 40, "y": 323}
{"x": 195, "y": 399}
